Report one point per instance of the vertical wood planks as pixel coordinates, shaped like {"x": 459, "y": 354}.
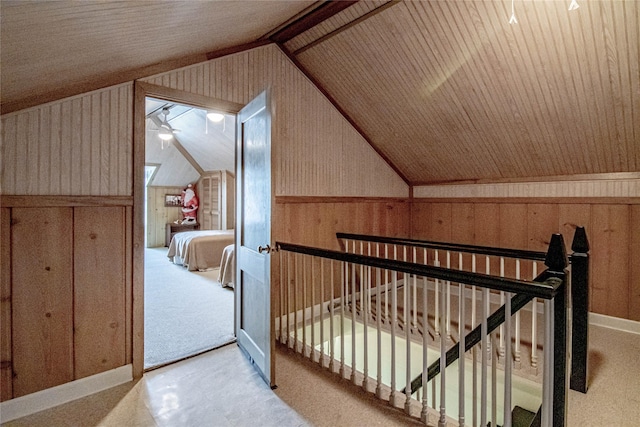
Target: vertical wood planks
{"x": 76, "y": 146}
{"x": 42, "y": 311}
{"x": 99, "y": 298}
{"x": 634, "y": 264}
{"x": 6, "y": 371}
{"x": 542, "y": 222}
{"x": 609, "y": 240}
{"x": 613, "y": 231}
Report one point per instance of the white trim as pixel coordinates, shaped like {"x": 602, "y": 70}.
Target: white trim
{"x": 54, "y": 396}
{"x": 624, "y": 325}
{"x": 619, "y": 185}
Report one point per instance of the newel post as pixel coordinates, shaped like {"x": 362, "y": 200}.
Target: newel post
{"x": 580, "y": 310}
{"x": 556, "y": 262}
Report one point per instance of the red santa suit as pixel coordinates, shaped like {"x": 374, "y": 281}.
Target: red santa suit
{"x": 190, "y": 205}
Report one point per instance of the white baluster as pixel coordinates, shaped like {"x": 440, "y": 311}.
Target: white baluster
{"x": 287, "y": 338}
{"x": 322, "y": 297}
{"x": 407, "y": 323}
{"x": 296, "y": 284}
{"x": 448, "y": 287}
{"x": 485, "y": 355}
{"x": 343, "y": 293}
{"x": 501, "y": 333}
{"x": 547, "y": 368}
{"x": 487, "y": 302}
{"x": 494, "y": 388}
{"x": 312, "y": 322}
{"x": 415, "y": 292}
{"x": 507, "y": 362}
{"x": 424, "y": 414}
{"x": 474, "y": 353}
{"x": 394, "y": 314}
{"x": 534, "y": 324}
{"x": 516, "y": 351}
{"x": 366, "y": 301}
{"x": 443, "y": 364}
{"x": 436, "y": 322}
{"x": 379, "y": 330}
{"x": 386, "y": 286}
{"x": 304, "y": 305}
{"x": 353, "y": 323}
{"x": 332, "y": 349}
{"x": 461, "y": 350}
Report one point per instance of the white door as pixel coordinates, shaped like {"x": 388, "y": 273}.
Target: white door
{"x": 253, "y": 236}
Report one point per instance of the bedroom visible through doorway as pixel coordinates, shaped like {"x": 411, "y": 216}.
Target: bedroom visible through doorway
{"x": 189, "y": 193}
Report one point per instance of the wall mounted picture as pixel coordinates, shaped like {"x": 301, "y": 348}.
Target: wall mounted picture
{"x": 173, "y": 200}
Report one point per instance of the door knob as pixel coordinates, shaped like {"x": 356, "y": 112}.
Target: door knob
{"x": 266, "y": 249}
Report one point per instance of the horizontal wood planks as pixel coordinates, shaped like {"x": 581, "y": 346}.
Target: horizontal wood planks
{"x": 612, "y": 230}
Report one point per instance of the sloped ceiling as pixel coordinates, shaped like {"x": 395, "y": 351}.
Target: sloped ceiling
{"x": 199, "y": 145}
{"x": 444, "y": 90}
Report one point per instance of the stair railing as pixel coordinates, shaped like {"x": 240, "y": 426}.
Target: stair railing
{"x": 331, "y": 312}
{"x": 579, "y": 285}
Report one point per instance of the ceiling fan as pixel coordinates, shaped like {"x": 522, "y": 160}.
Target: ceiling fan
{"x": 165, "y": 131}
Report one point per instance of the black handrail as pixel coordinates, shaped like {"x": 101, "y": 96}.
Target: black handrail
{"x": 455, "y": 247}
{"x": 543, "y": 290}
{"x": 494, "y": 321}
{"x": 551, "y": 288}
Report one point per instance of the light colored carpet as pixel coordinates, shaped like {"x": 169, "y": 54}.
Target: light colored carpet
{"x": 185, "y": 313}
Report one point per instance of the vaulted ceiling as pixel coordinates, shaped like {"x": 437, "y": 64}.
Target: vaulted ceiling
{"x": 444, "y": 90}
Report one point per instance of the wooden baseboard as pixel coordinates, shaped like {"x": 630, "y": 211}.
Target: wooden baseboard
{"x": 54, "y": 396}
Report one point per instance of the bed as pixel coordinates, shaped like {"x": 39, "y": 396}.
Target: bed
{"x": 227, "y": 273}
{"x": 200, "y": 249}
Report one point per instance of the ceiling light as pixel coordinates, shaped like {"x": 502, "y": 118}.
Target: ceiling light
{"x": 165, "y": 134}
{"x": 215, "y": 117}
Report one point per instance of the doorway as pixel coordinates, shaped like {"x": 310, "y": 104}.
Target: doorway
{"x": 186, "y": 310}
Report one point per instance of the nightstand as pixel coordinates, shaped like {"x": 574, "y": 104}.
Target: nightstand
{"x": 173, "y": 228}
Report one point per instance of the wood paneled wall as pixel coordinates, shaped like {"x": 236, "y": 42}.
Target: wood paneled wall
{"x": 158, "y": 215}
{"x": 613, "y": 230}
{"x": 314, "y": 221}
{"x": 78, "y": 146}
{"x": 313, "y": 145}
{"x": 66, "y": 294}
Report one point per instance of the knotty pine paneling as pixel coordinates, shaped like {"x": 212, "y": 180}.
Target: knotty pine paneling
{"x": 634, "y": 264}
{"x": 79, "y": 146}
{"x": 99, "y": 289}
{"x": 158, "y": 215}
{"x": 609, "y": 238}
{"x": 42, "y": 298}
{"x": 313, "y": 146}
{"x": 6, "y": 372}
{"x": 612, "y": 230}
{"x": 315, "y": 223}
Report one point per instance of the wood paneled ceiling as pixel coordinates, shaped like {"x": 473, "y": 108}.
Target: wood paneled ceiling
{"x": 444, "y": 90}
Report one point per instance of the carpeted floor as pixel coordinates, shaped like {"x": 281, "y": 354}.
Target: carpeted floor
{"x": 185, "y": 313}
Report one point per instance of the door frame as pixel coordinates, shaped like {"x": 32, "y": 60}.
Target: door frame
{"x": 143, "y": 90}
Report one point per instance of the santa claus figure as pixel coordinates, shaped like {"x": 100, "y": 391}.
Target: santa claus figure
{"x": 189, "y": 205}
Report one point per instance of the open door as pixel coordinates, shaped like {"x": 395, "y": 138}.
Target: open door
{"x": 253, "y": 236}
